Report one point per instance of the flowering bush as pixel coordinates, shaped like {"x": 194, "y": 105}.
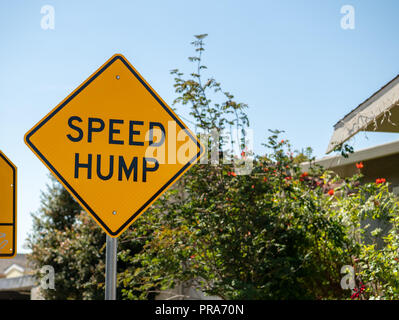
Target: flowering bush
{"x": 372, "y": 212}
{"x": 259, "y": 236}
{"x": 279, "y": 233}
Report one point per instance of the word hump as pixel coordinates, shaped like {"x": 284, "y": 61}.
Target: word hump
{"x": 115, "y": 145}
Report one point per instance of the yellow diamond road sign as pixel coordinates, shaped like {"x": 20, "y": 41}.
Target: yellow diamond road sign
{"x": 115, "y": 145}
{"x": 8, "y": 207}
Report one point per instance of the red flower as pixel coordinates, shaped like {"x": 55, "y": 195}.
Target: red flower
{"x": 380, "y": 180}
{"x": 231, "y": 173}
{"x": 243, "y": 154}
{"x": 264, "y": 179}
{"x": 192, "y": 257}
{"x": 355, "y": 295}
{"x": 358, "y": 292}
{"x": 282, "y": 141}
{"x": 359, "y": 165}
{"x": 288, "y": 178}
{"x": 252, "y": 186}
{"x": 305, "y": 174}
{"x": 331, "y": 192}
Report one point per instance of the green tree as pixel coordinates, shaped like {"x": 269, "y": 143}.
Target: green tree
{"x": 78, "y": 265}
{"x": 68, "y": 239}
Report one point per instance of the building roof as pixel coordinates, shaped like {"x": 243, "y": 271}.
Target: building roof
{"x": 14, "y": 267}
{"x": 375, "y": 152}
{"x": 19, "y": 260}
{"x": 380, "y": 112}
{"x": 17, "y": 284}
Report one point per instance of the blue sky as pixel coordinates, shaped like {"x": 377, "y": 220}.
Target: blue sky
{"x": 289, "y": 60}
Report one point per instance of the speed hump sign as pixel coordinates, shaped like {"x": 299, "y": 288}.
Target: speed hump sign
{"x": 8, "y": 207}
{"x": 115, "y": 145}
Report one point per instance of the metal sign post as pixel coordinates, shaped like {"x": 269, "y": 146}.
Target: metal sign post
{"x": 110, "y": 268}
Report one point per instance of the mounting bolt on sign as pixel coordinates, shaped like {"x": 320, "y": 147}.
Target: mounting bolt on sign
{"x": 115, "y": 145}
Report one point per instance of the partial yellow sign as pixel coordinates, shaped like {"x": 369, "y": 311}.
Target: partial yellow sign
{"x": 8, "y": 207}
{"x": 115, "y": 145}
